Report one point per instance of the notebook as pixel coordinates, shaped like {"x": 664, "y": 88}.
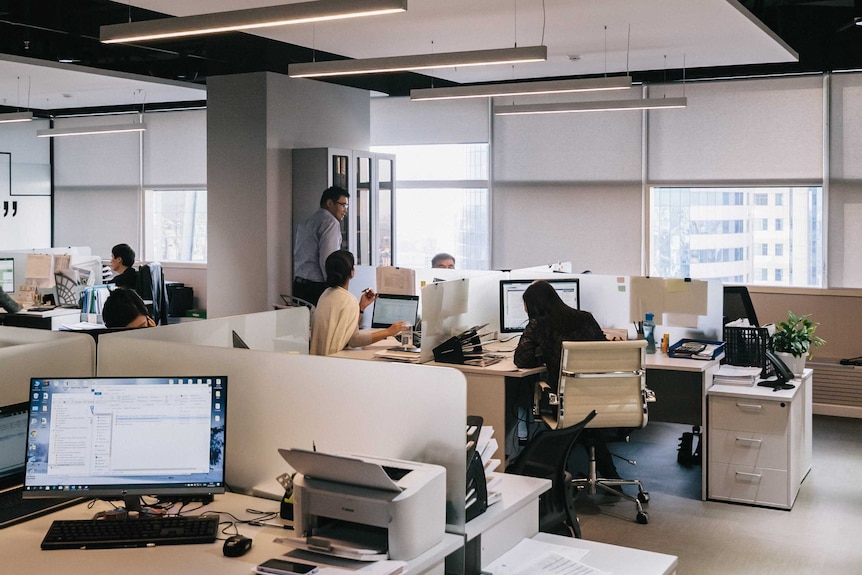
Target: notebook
{"x": 389, "y": 308}
{"x": 13, "y": 446}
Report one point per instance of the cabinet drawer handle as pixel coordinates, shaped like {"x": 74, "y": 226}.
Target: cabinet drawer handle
{"x": 749, "y": 440}
{"x": 744, "y": 475}
{"x": 751, "y": 406}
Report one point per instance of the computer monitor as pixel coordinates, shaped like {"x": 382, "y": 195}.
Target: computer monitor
{"x": 737, "y": 304}
{"x": 125, "y": 437}
{"x": 391, "y": 308}
{"x": 513, "y": 316}
{"x": 7, "y": 274}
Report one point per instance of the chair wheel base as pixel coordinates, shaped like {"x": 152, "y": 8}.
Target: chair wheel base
{"x": 643, "y": 517}
{"x": 643, "y": 497}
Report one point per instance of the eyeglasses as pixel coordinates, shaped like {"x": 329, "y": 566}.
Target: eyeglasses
{"x": 342, "y": 204}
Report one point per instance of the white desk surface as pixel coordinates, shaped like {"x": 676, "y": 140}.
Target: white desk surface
{"x": 518, "y": 491}
{"x": 758, "y": 391}
{"x": 19, "y": 547}
{"x": 504, "y": 367}
{"x": 660, "y": 360}
{"x": 611, "y": 559}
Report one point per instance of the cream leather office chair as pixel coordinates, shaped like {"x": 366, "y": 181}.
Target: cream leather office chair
{"x": 608, "y": 377}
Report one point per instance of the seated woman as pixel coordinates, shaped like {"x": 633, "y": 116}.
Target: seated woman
{"x": 551, "y": 322}
{"x": 125, "y": 308}
{"x": 336, "y": 318}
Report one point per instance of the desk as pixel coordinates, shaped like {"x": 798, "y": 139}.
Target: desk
{"x": 506, "y": 522}
{"x": 608, "y": 558}
{"x": 680, "y": 386}
{"x": 487, "y": 388}
{"x": 52, "y": 319}
{"x": 19, "y": 547}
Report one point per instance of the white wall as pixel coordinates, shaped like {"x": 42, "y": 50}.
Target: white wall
{"x": 25, "y": 190}
{"x": 253, "y": 121}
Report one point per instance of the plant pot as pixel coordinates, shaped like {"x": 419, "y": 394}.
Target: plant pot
{"x": 795, "y": 364}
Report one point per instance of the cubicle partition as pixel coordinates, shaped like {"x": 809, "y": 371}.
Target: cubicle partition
{"x": 285, "y": 330}
{"x": 279, "y": 400}
{"x": 26, "y": 353}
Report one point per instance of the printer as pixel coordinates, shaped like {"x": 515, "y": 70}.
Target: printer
{"x": 366, "y": 508}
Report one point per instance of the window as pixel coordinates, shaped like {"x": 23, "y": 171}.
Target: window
{"x": 698, "y": 233}
{"x": 779, "y": 199}
{"x": 442, "y": 204}
{"x": 175, "y": 225}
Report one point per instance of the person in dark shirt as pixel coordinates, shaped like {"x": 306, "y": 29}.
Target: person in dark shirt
{"x": 125, "y": 308}
{"x": 551, "y": 322}
{"x": 122, "y": 260}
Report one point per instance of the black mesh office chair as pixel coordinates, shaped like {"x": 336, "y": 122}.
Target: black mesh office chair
{"x": 546, "y": 456}
{"x": 151, "y": 288}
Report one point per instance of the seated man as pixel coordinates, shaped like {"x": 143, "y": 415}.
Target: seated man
{"x": 125, "y": 308}
{"x": 122, "y": 260}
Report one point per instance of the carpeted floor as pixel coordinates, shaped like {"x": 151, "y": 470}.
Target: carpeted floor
{"x": 821, "y": 534}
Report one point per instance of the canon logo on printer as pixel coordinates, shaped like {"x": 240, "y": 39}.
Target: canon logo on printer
{"x": 348, "y": 509}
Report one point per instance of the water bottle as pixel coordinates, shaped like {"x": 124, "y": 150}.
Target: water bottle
{"x": 649, "y": 333}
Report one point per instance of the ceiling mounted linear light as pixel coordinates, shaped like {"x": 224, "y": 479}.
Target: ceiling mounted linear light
{"x": 522, "y": 88}
{"x": 610, "y": 105}
{"x": 16, "y": 117}
{"x": 88, "y": 130}
{"x": 248, "y": 19}
{"x": 418, "y": 62}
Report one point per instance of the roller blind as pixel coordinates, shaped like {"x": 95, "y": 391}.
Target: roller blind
{"x": 846, "y": 111}
{"x": 175, "y": 149}
{"x": 96, "y": 160}
{"x": 398, "y": 121}
{"x": 739, "y": 130}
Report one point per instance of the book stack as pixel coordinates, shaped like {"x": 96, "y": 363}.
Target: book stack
{"x": 736, "y": 375}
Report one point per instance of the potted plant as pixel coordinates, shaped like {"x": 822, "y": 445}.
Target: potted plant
{"x": 794, "y": 341}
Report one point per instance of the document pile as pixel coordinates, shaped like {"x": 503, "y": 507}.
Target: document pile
{"x": 486, "y": 447}
{"x": 736, "y": 375}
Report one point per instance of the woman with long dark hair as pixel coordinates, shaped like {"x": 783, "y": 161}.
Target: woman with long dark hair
{"x": 336, "y": 318}
{"x": 551, "y": 322}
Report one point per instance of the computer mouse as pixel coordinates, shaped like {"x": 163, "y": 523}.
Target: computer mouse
{"x": 236, "y": 546}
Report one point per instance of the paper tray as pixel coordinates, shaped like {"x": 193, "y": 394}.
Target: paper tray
{"x": 716, "y": 347}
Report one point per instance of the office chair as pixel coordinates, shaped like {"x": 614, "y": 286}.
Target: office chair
{"x": 151, "y": 288}
{"x": 608, "y": 377}
{"x": 547, "y": 456}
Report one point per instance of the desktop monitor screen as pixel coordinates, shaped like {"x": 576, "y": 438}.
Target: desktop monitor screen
{"x": 124, "y": 437}
{"x": 513, "y": 316}
{"x": 737, "y": 305}
{"x": 7, "y": 274}
{"x": 389, "y": 308}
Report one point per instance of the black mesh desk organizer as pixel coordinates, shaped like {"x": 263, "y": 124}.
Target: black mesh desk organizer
{"x": 746, "y": 346}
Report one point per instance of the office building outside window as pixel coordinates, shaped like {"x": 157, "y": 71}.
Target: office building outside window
{"x": 442, "y": 204}
{"x": 724, "y": 233}
{"x": 175, "y": 225}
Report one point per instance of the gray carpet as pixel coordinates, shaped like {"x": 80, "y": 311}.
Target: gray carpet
{"x": 821, "y": 534}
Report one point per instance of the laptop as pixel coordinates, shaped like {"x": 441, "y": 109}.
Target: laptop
{"x": 13, "y": 446}
{"x": 390, "y": 308}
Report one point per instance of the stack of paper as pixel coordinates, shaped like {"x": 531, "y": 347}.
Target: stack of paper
{"x": 736, "y": 375}
{"x": 487, "y": 445}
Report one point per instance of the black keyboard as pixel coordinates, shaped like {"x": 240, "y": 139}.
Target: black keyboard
{"x": 141, "y": 532}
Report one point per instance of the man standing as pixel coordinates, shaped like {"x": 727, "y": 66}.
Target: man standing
{"x": 316, "y": 238}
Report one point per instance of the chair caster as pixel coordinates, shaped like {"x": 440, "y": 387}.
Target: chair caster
{"x": 643, "y": 497}
{"x": 643, "y": 517}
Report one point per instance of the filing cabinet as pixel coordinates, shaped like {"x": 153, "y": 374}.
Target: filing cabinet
{"x": 759, "y": 443}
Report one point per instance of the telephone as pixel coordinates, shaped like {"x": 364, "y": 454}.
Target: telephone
{"x": 782, "y": 374}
